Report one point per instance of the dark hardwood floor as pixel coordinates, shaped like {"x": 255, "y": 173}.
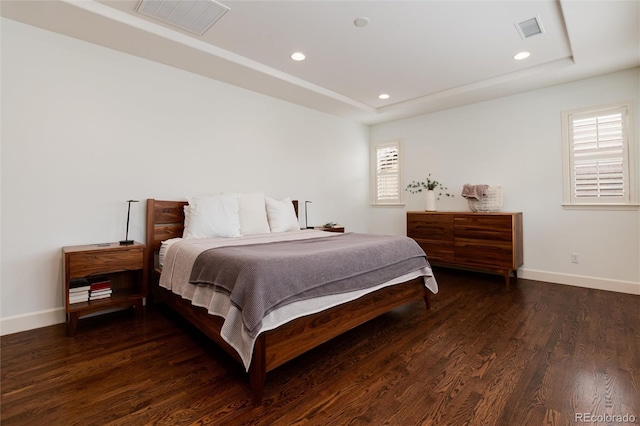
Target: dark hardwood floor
{"x": 535, "y": 354}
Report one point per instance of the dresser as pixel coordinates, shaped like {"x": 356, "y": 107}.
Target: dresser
{"x": 482, "y": 241}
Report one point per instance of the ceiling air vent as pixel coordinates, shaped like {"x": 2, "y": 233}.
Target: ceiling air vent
{"x": 194, "y": 16}
{"x": 529, "y": 28}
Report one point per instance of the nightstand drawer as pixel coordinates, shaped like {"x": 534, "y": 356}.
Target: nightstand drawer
{"x": 92, "y": 263}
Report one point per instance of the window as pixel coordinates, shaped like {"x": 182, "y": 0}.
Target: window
{"x": 386, "y": 186}
{"x": 598, "y": 164}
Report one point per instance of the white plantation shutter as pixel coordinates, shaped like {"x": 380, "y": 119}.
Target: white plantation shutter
{"x": 387, "y": 173}
{"x": 598, "y": 151}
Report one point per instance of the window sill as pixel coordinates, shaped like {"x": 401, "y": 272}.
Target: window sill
{"x": 388, "y": 205}
{"x": 601, "y": 206}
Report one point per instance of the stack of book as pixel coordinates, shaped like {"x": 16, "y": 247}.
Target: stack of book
{"x": 79, "y": 290}
{"x": 100, "y": 288}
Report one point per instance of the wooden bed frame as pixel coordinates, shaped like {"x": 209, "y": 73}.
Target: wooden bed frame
{"x": 273, "y": 348}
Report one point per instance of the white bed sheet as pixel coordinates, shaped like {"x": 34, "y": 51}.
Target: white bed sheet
{"x": 178, "y": 262}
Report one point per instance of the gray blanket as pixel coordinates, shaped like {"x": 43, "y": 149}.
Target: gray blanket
{"x": 262, "y": 277}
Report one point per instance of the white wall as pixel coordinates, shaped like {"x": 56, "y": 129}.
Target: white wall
{"x": 85, "y": 128}
{"x": 516, "y": 141}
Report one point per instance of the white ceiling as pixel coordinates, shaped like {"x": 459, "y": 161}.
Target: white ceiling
{"x": 427, "y": 55}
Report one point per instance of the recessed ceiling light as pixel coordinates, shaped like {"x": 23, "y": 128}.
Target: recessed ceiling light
{"x": 363, "y": 21}
{"x": 522, "y": 55}
{"x": 384, "y": 96}
{"x": 298, "y": 56}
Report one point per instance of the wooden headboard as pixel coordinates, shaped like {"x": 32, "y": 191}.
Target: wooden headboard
{"x": 165, "y": 220}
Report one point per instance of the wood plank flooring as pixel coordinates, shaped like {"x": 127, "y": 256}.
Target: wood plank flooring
{"x": 535, "y": 354}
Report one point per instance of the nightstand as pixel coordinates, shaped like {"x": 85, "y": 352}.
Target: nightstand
{"x": 332, "y": 229}
{"x": 119, "y": 268}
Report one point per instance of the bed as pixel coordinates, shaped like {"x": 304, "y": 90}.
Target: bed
{"x": 283, "y": 340}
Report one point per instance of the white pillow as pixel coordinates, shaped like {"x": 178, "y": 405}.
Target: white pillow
{"x": 282, "y": 215}
{"x": 187, "y": 219}
{"x": 164, "y": 246}
{"x": 212, "y": 216}
{"x": 253, "y": 214}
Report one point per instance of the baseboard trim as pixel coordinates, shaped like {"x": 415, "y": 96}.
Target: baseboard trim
{"x": 46, "y": 318}
{"x": 629, "y": 287}
{"x": 32, "y": 320}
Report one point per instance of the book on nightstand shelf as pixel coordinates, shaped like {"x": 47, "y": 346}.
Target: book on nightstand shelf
{"x": 99, "y": 296}
{"x": 78, "y": 297}
{"x": 99, "y": 288}
{"x": 78, "y": 284}
{"x": 79, "y": 290}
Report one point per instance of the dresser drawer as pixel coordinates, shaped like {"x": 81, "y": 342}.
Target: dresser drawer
{"x": 92, "y": 263}
{"x": 430, "y": 226}
{"x": 437, "y": 250}
{"x": 483, "y": 227}
{"x": 473, "y": 252}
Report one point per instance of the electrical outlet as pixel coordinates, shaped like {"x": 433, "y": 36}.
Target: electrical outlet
{"x": 575, "y": 258}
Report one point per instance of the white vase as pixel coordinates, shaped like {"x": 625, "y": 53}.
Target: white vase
{"x": 431, "y": 201}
